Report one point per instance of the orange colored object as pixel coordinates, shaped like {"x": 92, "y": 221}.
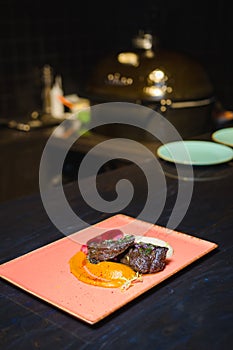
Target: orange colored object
{"x": 65, "y": 102}
{"x": 104, "y": 274}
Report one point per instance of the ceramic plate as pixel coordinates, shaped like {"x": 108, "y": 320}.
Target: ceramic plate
{"x": 45, "y": 272}
{"x": 224, "y": 136}
{"x": 195, "y": 152}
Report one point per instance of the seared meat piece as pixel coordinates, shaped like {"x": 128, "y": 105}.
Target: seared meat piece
{"x": 108, "y": 249}
{"x": 145, "y": 258}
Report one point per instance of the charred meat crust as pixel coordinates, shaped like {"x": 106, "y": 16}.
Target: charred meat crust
{"x": 140, "y": 256}
{"x": 145, "y": 258}
{"x": 108, "y": 249}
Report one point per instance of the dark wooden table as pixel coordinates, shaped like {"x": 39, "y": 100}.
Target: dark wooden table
{"x": 191, "y": 310}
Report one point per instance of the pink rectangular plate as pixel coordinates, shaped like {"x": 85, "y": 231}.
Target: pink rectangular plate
{"x": 45, "y": 272}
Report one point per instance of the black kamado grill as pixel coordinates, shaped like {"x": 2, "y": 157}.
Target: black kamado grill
{"x": 171, "y": 83}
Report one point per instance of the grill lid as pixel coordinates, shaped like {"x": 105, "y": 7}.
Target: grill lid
{"x": 146, "y": 73}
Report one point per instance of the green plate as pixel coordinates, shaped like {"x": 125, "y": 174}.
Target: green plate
{"x": 195, "y": 152}
{"x": 224, "y": 136}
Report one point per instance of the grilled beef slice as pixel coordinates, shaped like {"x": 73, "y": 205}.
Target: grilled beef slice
{"x": 145, "y": 257}
{"x": 108, "y": 249}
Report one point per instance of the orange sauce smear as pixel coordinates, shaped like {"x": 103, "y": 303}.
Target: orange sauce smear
{"x": 103, "y": 274}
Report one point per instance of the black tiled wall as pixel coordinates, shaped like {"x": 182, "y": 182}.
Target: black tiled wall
{"x": 71, "y": 36}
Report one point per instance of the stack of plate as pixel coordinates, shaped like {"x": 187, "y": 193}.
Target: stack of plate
{"x": 224, "y": 136}
{"x": 200, "y": 152}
